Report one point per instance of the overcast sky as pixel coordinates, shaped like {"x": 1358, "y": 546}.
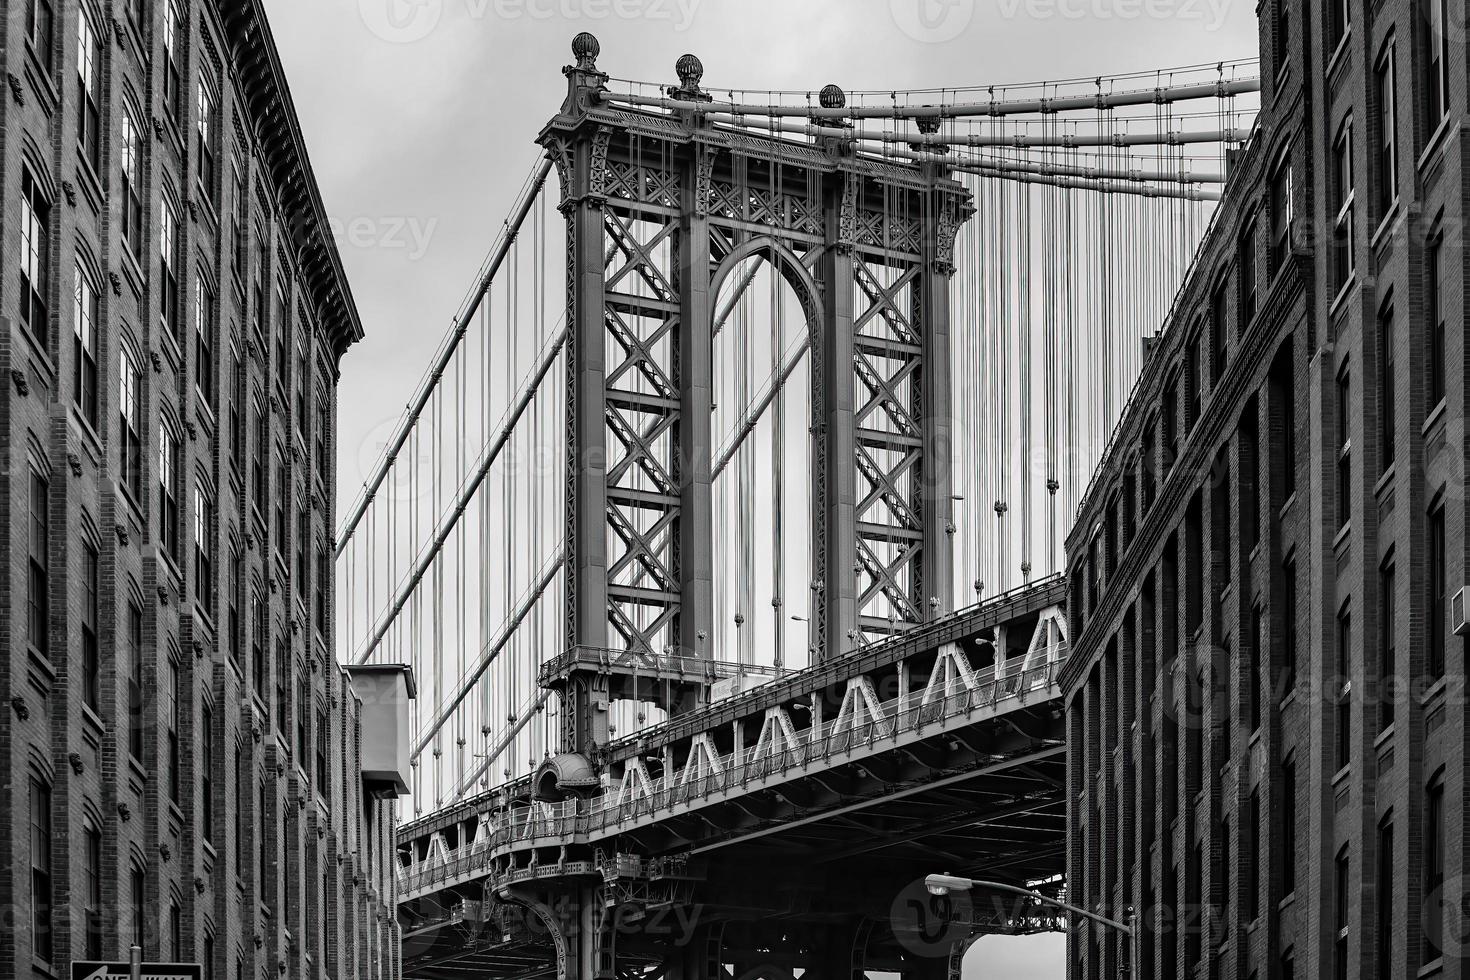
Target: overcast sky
{"x": 420, "y": 117}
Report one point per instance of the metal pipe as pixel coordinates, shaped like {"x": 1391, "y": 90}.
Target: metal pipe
{"x": 1161, "y": 95}
{"x": 1057, "y": 169}
{"x": 467, "y": 493}
{"x": 456, "y": 334}
{"x": 943, "y": 884}
{"x": 1103, "y": 187}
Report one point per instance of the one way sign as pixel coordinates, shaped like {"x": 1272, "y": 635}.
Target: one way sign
{"x": 87, "y": 970}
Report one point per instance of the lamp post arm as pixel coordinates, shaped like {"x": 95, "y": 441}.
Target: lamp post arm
{"x": 1124, "y": 928}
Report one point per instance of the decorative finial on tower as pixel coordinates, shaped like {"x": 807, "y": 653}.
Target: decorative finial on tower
{"x": 832, "y": 97}
{"x": 691, "y": 72}
{"x": 585, "y": 48}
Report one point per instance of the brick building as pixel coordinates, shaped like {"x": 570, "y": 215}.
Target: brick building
{"x": 182, "y": 755}
{"x": 1266, "y": 710}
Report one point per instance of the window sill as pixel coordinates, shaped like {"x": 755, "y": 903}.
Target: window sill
{"x": 137, "y": 767}
{"x": 1387, "y": 222}
{"x": 93, "y": 719}
{"x": 1339, "y": 53}
{"x": 1342, "y": 775}
{"x": 41, "y": 967}
{"x": 1436, "y": 142}
{"x": 1286, "y": 902}
{"x": 1435, "y": 416}
{"x": 1287, "y": 505}
{"x": 1436, "y": 692}
{"x": 1433, "y": 968}
{"x": 1342, "y": 536}
{"x": 91, "y": 182}
{"x": 1383, "y": 738}
{"x": 43, "y": 81}
{"x": 1384, "y": 482}
{"x": 1339, "y": 299}
{"x": 88, "y": 433}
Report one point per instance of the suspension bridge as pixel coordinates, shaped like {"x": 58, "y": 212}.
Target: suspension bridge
{"x": 722, "y": 532}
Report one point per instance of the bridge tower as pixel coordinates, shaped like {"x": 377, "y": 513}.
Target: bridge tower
{"x": 660, "y": 206}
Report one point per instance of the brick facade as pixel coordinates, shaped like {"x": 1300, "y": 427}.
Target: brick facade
{"x": 173, "y": 713}
{"x": 1254, "y": 707}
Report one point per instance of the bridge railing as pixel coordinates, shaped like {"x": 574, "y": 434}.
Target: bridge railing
{"x": 697, "y": 780}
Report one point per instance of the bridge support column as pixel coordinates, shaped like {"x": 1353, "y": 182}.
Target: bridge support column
{"x": 695, "y": 340}
{"x": 944, "y": 212}
{"x": 834, "y": 516}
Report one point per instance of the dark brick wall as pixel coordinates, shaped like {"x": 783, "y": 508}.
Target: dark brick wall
{"x": 1197, "y": 683}
{"x": 318, "y": 894}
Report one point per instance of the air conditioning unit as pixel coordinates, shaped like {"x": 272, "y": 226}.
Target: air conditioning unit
{"x": 1457, "y": 611}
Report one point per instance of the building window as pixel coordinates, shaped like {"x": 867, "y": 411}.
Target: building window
{"x": 138, "y": 899}
{"x": 239, "y": 241}
{"x": 40, "y": 23}
{"x": 1252, "y": 847}
{"x": 1247, "y": 296}
{"x": 41, "y": 899}
{"x": 130, "y": 430}
{"x": 1339, "y": 20}
{"x": 234, "y": 627}
{"x": 283, "y": 705}
{"x": 204, "y": 549}
{"x": 1437, "y": 315}
{"x": 323, "y": 432}
{"x": 135, "y": 681}
{"x": 1386, "y": 393}
{"x": 169, "y": 286}
{"x": 1341, "y": 903}
{"x": 91, "y": 659}
{"x": 258, "y": 460}
{"x": 1344, "y": 449}
{"x": 303, "y": 713}
{"x": 323, "y": 573}
{"x": 173, "y": 721}
{"x": 38, "y": 571}
{"x": 169, "y": 455}
{"x": 206, "y": 771}
{"x": 257, "y": 643}
{"x": 132, "y": 197}
{"x": 204, "y": 341}
{"x": 1344, "y": 686}
{"x": 237, "y": 407}
{"x": 89, "y": 70}
{"x": 207, "y": 132}
{"x": 1436, "y": 905}
{"x": 1341, "y": 203}
{"x": 239, "y": 814}
{"x": 1434, "y": 83}
{"x": 1387, "y": 655}
{"x": 283, "y": 493}
{"x": 303, "y": 536}
{"x": 301, "y": 382}
{"x": 282, "y": 327}
{"x": 321, "y": 753}
{"x": 1282, "y": 36}
{"x": 1383, "y": 899}
{"x": 84, "y": 347}
{"x": 1281, "y": 212}
{"x": 1226, "y": 878}
{"x": 1288, "y": 827}
{"x": 175, "y": 932}
{"x": 1385, "y": 157}
{"x": 1253, "y": 676}
{"x": 35, "y": 257}
{"x": 262, "y": 286}
{"x": 1438, "y": 587}
{"x": 173, "y": 72}
{"x": 92, "y": 889}
{"x": 260, "y": 836}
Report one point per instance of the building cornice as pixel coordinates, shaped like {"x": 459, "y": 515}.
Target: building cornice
{"x": 273, "y": 119}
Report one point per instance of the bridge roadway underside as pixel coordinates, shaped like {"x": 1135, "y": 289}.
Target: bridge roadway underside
{"x": 800, "y": 893}
{"x": 816, "y": 875}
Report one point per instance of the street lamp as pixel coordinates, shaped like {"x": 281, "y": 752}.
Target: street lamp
{"x": 944, "y": 884}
